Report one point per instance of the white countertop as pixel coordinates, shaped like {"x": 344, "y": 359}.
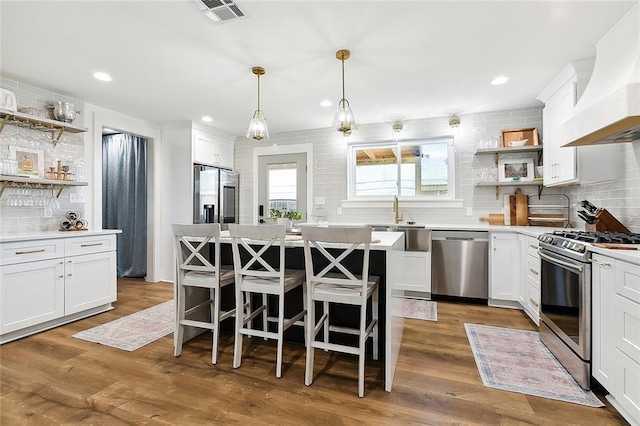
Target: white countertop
{"x": 382, "y": 241}
{"x": 30, "y": 236}
{"x": 631, "y": 256}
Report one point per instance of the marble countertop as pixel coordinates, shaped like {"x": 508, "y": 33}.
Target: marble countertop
{"x": 46, "y": 235}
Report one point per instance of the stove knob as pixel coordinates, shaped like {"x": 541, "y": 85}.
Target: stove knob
{"x": 565, "y": 244}
{"x": 581, "y": 248}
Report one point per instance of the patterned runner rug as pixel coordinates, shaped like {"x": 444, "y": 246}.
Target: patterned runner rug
{"x": 517, "y": 361}
{"x": 419, "y": 309}
{"x": 133, "y": 331}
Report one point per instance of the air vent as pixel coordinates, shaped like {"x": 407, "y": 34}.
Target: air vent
{"x": 219, "y": 11}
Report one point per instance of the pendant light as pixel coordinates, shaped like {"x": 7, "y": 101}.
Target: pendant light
{"x": 344, "y": 121}
{"x": 258, "y": 126}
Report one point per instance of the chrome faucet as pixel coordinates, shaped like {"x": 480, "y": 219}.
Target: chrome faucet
{"x": 397, "y": 217}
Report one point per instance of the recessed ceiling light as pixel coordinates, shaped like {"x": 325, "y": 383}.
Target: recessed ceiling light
{"x": 326, "y": 103}
{"x": 207, "y": 119}
{"x": 499, "y": 80}
{"x": 102, "y": 76}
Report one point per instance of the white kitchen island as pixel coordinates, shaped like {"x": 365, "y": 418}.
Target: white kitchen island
{"x": 51, "y": 278}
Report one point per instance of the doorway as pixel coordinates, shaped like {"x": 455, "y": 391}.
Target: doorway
{"x": 306, "y": 184}
{"x": 124, "y": 199}
{"x": 282, "y": 184}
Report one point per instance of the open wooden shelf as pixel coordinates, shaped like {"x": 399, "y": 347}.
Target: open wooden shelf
{"x": 15, "y": 181}
{"x": 57, "y": 128}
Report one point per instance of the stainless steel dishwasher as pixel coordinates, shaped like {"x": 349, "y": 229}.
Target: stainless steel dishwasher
{"x": 460, "y": 263}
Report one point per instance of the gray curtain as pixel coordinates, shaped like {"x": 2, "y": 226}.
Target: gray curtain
{"x": 124, "y": 199}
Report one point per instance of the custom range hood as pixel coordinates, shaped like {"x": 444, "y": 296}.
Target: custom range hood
{"x": 609, "y": 109}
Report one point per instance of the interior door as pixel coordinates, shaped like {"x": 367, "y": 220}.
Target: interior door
{"x": 282, "y": 184}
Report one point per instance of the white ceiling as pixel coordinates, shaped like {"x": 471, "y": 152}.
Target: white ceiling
{"x": 411, "y": 59}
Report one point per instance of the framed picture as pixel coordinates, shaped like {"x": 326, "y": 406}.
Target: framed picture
{"x": 515, "y": 169}
{"x": 30, "y": 161}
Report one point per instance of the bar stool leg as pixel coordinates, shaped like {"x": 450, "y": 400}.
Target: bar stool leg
{"x": 310, "y": 333}
{"x": 179, "y": 328}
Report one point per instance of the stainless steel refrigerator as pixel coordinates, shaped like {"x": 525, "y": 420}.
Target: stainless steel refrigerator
{"x": 215, "y": 195}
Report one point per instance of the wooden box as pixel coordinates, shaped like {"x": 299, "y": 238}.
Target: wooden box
{"x": 531, "y": 134}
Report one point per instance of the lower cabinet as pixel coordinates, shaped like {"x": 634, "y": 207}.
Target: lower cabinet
{"x": 529, "y": 279}
{"x": 31, "y": 293}
{"x": 413, "y": 272}
{"x": 504, "y": 267}
{"x": 616, "y": 332}
{"x": 89, "y": 281}
{"x": 44, "y": 283}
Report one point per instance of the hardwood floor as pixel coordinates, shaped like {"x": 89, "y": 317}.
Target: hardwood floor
{"x": 52, "y": 378}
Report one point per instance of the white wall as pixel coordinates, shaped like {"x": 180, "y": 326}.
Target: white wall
{"x": 330, "y": 171}
{"x": 70, "y": 150}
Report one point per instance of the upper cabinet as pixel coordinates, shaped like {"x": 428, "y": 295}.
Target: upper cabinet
{"x": 571, "y": 165}
{"x": 211, "y": 150}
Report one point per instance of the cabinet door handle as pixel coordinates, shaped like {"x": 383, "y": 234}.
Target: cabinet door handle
{"x": 533, "y": 246}
{"x": 29, "y": 251}
{"x": 69, "y": 275}
{"x": 90, "y": 244}
{"x": 533, "y": 271}
{"x": 533, "y": 302}
{"x": 60, "y": 276}
{"x": 602, "y": 264}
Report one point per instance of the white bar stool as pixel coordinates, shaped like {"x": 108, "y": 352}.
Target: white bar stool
{"x": 254, "y": 275}
{"x": 195, "y": 269}
{"x": 335, "y": 284}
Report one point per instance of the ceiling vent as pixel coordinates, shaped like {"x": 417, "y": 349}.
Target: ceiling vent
{"x": 219, "y": 11}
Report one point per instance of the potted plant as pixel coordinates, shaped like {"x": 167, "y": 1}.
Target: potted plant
{"x": 285, "y": 217}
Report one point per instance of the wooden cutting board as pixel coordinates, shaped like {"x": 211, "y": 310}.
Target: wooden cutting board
{"x": 512, "y": 209}
{"x": 522, "y": 208}
{"x": 615, "y": 246}
{"x": 494, "y": 219}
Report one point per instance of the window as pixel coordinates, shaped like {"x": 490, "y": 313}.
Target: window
{"x": 282, "y": 186}
{"x": 418, "y": 168}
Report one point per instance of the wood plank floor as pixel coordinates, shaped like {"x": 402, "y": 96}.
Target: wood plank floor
{"x": 52, "y": 378}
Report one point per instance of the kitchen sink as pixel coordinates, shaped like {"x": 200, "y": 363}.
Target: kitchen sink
{"x": 416, "y": 237}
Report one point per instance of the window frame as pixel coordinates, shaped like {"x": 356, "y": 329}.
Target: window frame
{"x": 351, "y": 170}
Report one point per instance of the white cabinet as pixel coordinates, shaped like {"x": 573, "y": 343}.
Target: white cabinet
{"x": 31, "y": 293}
{"x": 211, "y": 150}
{"x": 44, "y": 283}
{"x": 504, "y": 267}
{"x": 529, "y": 277}
{"x": 89, "y": 281}
{"x": 603, "y": 350}
{"x": 616, "y": 332}
{"x": 571, "y": 165}
{"x": 413, "y": 272}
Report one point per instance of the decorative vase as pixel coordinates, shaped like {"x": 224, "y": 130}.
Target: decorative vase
{"x": 288, "y": 223}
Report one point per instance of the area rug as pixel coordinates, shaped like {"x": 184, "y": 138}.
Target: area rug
{"x": 516, "y": 360}
{"x": 419, "y": 309}
{"x": 133, "y": 331}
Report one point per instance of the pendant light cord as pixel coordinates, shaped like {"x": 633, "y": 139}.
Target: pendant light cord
{"x": 258, "y": 92}
{"x": 342, "y": 60}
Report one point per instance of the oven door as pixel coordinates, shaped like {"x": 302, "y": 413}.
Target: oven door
{"x": 565, "y": 287}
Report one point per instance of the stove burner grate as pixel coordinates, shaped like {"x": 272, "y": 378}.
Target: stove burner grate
{"x": 599, "y": 237}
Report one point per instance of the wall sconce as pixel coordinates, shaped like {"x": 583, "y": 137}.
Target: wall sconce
{"x": 397, "y": 130}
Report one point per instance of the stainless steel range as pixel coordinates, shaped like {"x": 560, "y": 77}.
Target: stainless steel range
{"x": 565, "y": 285}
